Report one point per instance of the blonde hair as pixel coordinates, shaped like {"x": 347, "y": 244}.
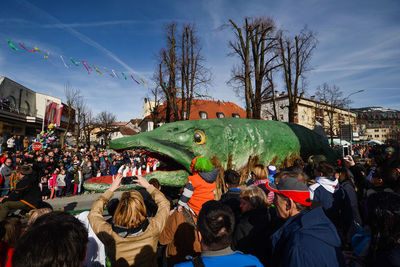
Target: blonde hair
{"x": 260, "y": 172}
{"x": 37, "y": 213}
{"x": 131, "y": 211}
{"x": 255, "y": 196}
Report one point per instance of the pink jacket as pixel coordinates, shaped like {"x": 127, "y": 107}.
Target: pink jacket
{"x": 53, "y": 181}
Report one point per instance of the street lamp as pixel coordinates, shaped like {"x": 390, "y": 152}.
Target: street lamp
{"x": 350, "y": 128}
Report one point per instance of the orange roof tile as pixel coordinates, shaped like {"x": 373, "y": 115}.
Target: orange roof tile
{"x": 209, "y": 106}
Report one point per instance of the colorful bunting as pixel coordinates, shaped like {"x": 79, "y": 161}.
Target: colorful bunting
{"x": 88, "y": 68}
{"x": 97, "y": 70}
{"x": 74, "y": 62}
{"x": 134, "y": 79}
{"x": 12, "y": 45}
{"x": 32, "y": 50}
{"x": 144, "y": 82}
{"x": 63, "y": 61}
{"x": 112, "y": 73}
{"x": 115, "y": 74}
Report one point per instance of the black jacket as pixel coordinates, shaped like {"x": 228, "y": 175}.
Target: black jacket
{"x": 27, "y": 190}
{"x": 253, "y": 232}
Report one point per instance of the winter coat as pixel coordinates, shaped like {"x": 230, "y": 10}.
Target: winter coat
{"x": 180, "y": 237}
{"x": 199, "y": 189}
{"x": 307, "y": 239}
{"x": 27, "y": 191}
{"x": 137, "y": 250}
{"x": 252, "y": 232}
{"x": 351, "y": 210}
{"x": 61, "y": 180}
{"x": 331, "y": 196}
{"x": 232, "y": 199}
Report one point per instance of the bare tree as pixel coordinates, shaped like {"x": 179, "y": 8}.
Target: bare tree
{"x": 72, "y": 95}
{"x": 182, "y": 73}
{"x": 80, "y": 107}
{"x": 330, "y": 98}
{"x": 255, "y": 43}
{"x": 105, "y": 120}
{"x": 157, "y": 95}
{"x": 89, "y": 123}
{"x": 295, "y": 55}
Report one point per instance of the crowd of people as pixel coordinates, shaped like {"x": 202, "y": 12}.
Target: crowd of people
{"x": 313, "y": 213}
{"x": 63, "y": 173}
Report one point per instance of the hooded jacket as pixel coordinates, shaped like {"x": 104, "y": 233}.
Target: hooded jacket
{"x": 307, "y": 239}
{"x": 331, "y": 196}
{"x": 199, "y": 189}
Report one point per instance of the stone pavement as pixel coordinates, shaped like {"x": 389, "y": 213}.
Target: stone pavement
{"x": 79, "y": 202}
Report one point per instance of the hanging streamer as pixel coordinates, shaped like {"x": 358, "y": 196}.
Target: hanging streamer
{"x": 74, "y": 62}
{"x": 32, "y": 50}
{"x": 144, "y": 82}
{"x": 134, "y": 79}
{"x": 108, "y": 72}
{"x": 12, "y": 45}
{"x": 88, "y": 68}
{"x": 123, "y": 74}
{"x": 37, "y": 49}
{"x": 115, "y": 74}
{"x": 63, "y": 61}
{"x": 97, "y": 70}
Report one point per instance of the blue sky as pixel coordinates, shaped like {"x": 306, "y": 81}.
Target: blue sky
{"x": 359, "y": 45}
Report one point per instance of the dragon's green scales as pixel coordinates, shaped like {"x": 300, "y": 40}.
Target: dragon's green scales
{"x": 232, "y": 140}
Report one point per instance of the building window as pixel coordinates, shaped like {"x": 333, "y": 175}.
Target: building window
{"x": 203, "y": 115}
{"x": 384, "y": 130}
{"x": 12, "y": 101}
{"x": 281, "y": 117}
{"x": 376, "y": 130}
{"x": 235, "y": 115}
{"x": 220, "y": 115}
{"x": 27, "y": 108}
{"x": 370, "y": 136}
{"x": 377, "y": 135}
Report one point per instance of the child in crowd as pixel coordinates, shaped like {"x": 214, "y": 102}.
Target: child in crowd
{"x": 44, "y": 187}
{"x": 200, "y": 186}
{"x": 61, "y": 183}
{"x": 53, "y": 184}
{"x": 80, "y": 179}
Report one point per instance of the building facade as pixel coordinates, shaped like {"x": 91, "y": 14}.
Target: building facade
{"x": 381, "y": 124}
{"x": 308, "y": 112}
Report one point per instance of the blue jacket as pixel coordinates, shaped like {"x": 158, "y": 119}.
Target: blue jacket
{"x": 307, "y": 239}
{"x": 331, "y": 196}
{"x": 235, "y": 259}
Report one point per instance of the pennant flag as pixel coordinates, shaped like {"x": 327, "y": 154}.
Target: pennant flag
{"x": 115, "y": 74}
{"x": 178, "y": 90}
{"x": 74, "y": 62}
{"x": 63, "y": 61}
{"x": 144, "y": 82}
{"x": 12, "y": 45}
{"x": 32, "y": 50}
{"x": 97, "y": 70}
{"x": 45, "y": 56}
{"x": 37, "y": 49}
{"x": 88, "y": 68}
{"x": 123, "y": 74}
{"x": 164, "y": 85}
{"x": 134, "y": 79}
{"x": 108, "y": 72}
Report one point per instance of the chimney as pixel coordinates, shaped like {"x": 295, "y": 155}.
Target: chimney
{"x": 313, "y": 97}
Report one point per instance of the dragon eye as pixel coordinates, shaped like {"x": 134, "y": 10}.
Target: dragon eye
{"x": 199, "y": 137}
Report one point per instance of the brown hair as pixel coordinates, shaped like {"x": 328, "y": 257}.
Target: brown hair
{"x": 131, "y": 211}
{"x": 12, "y": 230}
{"x": 255, "y": 196}
{"x": 260, "y": 172}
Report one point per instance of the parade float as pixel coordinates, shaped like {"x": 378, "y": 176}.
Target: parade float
{"x": 230, "y": 143}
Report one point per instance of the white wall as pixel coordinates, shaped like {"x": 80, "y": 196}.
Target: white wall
{"x": 41, "y": 100}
